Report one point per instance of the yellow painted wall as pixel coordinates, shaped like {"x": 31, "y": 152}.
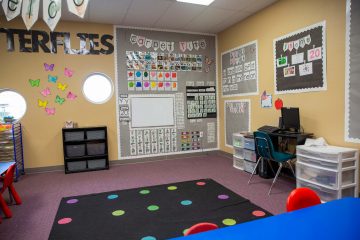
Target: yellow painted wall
{"x": 320, "y": 112}
{"x": 42, "y": 134}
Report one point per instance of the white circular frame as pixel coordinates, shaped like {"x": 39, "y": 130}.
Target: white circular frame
{"x": 17, "y": 102}
{"x": 104, "y": 77}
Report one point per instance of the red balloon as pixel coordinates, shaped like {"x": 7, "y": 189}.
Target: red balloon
{"x": 278, "y": 104}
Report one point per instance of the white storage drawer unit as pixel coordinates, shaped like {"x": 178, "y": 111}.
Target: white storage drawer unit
{"x": 333, "y": 172}
{"x": 238, "y": 163}
{"x": 238, "y": 140}
{"x": 239, "y": 152}
{"x": 249, "y": 155}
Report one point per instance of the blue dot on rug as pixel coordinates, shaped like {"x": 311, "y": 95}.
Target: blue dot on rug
{"x": 112, "y": 196}
{"x": 186, "y": 202}
{"x": 149, "y": 238}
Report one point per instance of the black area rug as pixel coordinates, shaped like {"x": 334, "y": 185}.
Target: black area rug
{"x": 151, "y": 213}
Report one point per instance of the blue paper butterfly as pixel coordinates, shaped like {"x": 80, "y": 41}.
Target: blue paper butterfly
{"x": 52, "y": 79}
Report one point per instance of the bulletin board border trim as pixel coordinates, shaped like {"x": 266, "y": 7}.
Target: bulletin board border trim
{"x": 257, "y": 70}
{"x": 347, "y": 75}
{"x": 238, "y": 100}
{"x": 302, "y": 90}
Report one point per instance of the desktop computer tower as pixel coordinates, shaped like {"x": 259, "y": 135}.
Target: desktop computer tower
{"x": 265, "y": 169}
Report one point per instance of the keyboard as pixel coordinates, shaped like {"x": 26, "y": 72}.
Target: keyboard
{"x": 268, "y": 129}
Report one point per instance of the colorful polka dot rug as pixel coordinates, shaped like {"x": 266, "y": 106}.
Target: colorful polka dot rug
{"x": 151, "y": 213}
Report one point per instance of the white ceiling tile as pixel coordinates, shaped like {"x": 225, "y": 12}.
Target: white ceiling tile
{"x": 258, "y": 5}
{"x": 210, "y": 17}
{"x": 146, "y": 12}
{"x": 109, "y": 11}
{"x": 179, "y": 15}
{"x": 235, "y": 18}
{"x": 232, "y": 4}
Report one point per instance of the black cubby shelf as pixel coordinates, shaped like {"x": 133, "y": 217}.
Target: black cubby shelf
{"x": 85, "y": 149}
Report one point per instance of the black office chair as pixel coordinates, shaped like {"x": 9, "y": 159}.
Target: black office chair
{"x": 265, "y": 150}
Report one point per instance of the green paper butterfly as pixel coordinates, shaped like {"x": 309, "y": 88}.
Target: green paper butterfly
{"x": 59, "y": 100}
{"x": 34, "y": 83}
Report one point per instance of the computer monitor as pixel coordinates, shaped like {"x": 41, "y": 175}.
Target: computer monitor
{"x": 290, "y": 119}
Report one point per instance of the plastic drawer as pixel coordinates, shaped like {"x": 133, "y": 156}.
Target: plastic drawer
{"x": 325, "y": 194}
{"x": 74, "y": 136}
{"x": 95, "y": 148}
{"x": 96, "y": 163}
{"x": 95, "y": 134}
{"x": 249, "y": 155}
{"x": 239, "y": 152}
{"x": 249, "y": 166}
{"x": 323, "y": 163}
{"x": 238, "y": 140}
{"x": 76, "y": 166}
{"x": 238, "y": 163}
{"x": 249, "y": 144}
{"x": 75, "y": 150}
{"x": 324, "y": 177}
{"x": 331, "y": 153}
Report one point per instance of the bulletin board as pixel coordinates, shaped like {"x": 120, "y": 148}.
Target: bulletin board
{"x": 300, "y": 60}
{"x": 237, "y": 118}
{"x": 166, "y": 92}
{"x": 240, "y": 71}
{"x": 352, "y": 83}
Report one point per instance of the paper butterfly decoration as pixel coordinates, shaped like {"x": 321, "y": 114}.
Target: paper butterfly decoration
{"x": 61, "y": 86}
{"x": 42, "y": 104}
{"x": 52, "y": 79}
{"x": 71, "y": 96}
{"x": 34, "y": 83}
{"x": 46, "y": 92}
{"x": 59, "y": 100}
{"x": 68, "y": 72}
{"x": 49, "y": 67}
{"x": 50, "y": 111}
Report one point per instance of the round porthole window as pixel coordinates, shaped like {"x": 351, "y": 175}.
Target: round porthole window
{"x": 12, "y": 106}
{"x": 97, "y": 88}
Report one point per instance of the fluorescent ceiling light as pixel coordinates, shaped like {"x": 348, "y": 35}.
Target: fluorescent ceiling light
{"x": 200, "y": 2}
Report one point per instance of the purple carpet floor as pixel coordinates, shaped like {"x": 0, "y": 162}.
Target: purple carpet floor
{"x": 41, "y": 193}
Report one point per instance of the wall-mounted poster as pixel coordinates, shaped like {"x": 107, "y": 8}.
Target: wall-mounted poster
{"x": 239, "y": 70}
{"x": 352, "y": 83}
{"x": 237, "y": 118}
{"x": 300, "y": 60}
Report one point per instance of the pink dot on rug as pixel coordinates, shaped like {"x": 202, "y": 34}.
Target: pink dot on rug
{"x": 201, "y": 183}
{"x": 223, "y": 197}
{"x": 258, "y": 213}
{"x": 64, "y": 221}
{"x": 72, "y": 201}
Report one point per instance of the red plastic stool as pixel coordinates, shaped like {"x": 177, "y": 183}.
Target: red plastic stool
{"x": 301, "y": 198}
{"x": 201, "y": 227}
{"x": 8, "y": 180}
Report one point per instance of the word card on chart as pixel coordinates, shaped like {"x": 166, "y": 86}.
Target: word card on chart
{"x": 300, "y": 60}
{"x": 201, "y": 102}
{"x": 153, "y": 141}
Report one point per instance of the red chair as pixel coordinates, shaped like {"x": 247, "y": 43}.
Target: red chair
{"x": 7, "y": 181}
{"x": 301, "y": 198}
{"x": 201, "y": 227}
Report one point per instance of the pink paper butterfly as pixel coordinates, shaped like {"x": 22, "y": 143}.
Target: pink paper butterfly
{"x": 45, "y": 92}
{"x": 49, "y": 67}
{"x": 71, "y": 96}
{"x": 50, "y": 111}
{"x": 68, "y": 72}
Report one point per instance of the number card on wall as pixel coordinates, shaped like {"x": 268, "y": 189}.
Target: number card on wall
{"x": 352, "y": 83}
{"x": 300, "y": 60}
{"x": 239, "y": 69}
{"x": 237, "y": 118}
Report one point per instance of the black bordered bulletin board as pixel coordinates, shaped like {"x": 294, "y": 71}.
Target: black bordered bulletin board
{"x": 300, "y": 60}
{"x": 352, "y": 82}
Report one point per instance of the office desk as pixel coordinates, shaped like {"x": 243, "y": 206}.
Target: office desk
{"x": 4, "y": 166}
{"x": 299, "y": 137}
{"x": 333, "y": 220}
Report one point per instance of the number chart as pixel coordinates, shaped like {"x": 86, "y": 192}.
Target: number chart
{"x": 300, "y": 60}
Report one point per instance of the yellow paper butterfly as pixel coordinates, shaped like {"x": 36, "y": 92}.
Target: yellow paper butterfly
{"x": 42, "y": 104}
{"x": 62, "y": 87}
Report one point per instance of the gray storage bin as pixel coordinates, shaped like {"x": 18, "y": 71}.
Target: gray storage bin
{"x": 95, "y": 134}
{"x": 95, "y": 148}
{"x": 74, "y": 136}
{"x": 96, "y": 163}
{"x": 75, "y": 150}
{"x": 76, "y": 166}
